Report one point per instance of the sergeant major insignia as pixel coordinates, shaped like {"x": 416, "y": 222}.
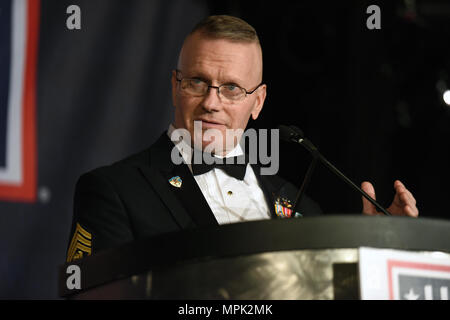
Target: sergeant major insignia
{"x": 80, "y": 245}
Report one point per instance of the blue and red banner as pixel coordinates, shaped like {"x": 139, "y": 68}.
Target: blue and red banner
{"x": 19, "y": 29}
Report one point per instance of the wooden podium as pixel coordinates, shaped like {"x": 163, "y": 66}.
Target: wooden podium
{"x": 302, "y": 258}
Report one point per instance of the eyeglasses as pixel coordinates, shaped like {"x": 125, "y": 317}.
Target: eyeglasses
{"x": 198, "y": 88}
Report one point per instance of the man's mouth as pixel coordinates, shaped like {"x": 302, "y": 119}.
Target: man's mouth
{"x": 207, "y": 123}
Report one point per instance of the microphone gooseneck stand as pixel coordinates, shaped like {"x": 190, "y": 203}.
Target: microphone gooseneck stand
{"x": 294, "y": 134}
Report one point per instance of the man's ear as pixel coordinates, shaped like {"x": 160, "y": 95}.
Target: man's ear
{"x": 260, "y": 98}
{"x": 174, "y": 87}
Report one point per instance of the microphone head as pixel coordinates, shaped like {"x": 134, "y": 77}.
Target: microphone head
{"x": 288, "y": 133}
{"x": 298, "y": 131}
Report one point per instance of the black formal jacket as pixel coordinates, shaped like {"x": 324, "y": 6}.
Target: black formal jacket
{"x": 132, "y": 199}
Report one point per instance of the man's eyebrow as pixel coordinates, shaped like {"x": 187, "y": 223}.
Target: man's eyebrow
{"x": 202, "y": 76}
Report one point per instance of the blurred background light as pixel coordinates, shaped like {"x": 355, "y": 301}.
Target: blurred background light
{"x": 446, "y": 97}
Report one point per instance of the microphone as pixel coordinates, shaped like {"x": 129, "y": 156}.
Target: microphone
{"x": 294, "y": 134}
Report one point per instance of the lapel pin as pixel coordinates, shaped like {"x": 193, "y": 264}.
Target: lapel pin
{"x": 176, "y": 181}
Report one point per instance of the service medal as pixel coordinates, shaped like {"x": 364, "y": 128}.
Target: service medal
{"x": 283, "y": 208}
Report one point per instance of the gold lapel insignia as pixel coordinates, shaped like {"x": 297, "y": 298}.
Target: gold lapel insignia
{"x": 176, "y": 181}
{"x": 80, "y": 245}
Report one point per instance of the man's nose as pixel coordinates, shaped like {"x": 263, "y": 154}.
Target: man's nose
{"x": 211, "y": 101}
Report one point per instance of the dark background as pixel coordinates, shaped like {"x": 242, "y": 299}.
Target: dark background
{"x": 367, "y": 98}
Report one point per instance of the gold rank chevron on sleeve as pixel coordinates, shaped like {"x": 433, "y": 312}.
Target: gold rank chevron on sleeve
{"x": 80, "y": 245}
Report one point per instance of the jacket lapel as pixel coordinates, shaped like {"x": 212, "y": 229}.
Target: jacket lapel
{"x": 185, "y": 202}
{"x": 191, "y": 197}
{"x": 269, "y": 186}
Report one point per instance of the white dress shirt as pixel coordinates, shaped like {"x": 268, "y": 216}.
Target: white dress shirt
{"x": 231, "y": 200}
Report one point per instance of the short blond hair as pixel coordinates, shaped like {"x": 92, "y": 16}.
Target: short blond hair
{"x": 228, "y": 28}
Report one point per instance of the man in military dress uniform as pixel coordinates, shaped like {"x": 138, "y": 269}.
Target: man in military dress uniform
{"x": 218, "y": 82}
